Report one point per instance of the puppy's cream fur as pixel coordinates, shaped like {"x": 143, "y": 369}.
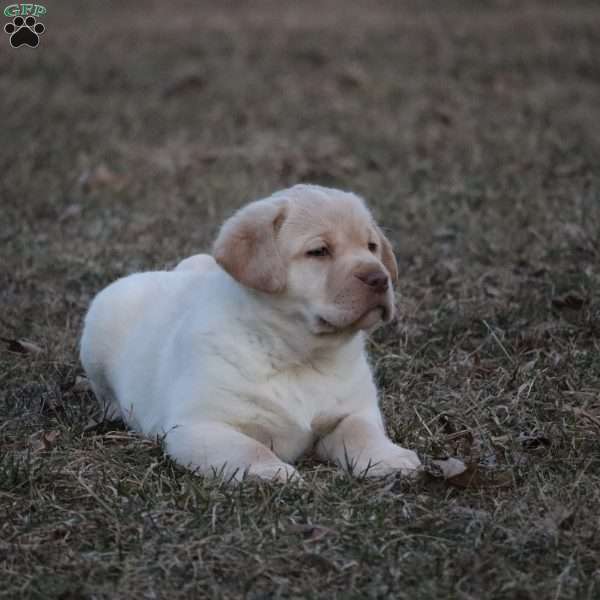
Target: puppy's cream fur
{"x": 246, "y": 361}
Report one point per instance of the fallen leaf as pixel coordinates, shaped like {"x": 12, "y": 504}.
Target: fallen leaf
{"x": 82, "y": 384}
{"x": 475, "y": 477}
{"x": 311, "y": 533}
{"x": 92, "y": 425}
{"x": 312, "y": 55}
{"x": 101, "y": 176}
{"x": 469, "y": 478}
{"x": 72, "y": 211}
{"x": 451, "y": 467}
{"x": 315, "y": 533}
{"x": 447, "y": 424}
{"x": 561, "y": 517}
{"x": 533, "y": 441}
{"x": 444, "y": 234}
{"x": 492, "y": 291}
{"x": 573, "y": 300}
{"x": 187, "y": 83}
{"x": 353, "y": 76}
{"x": 43, "y": 440}
{"x": 21, "y": 346}
{"x": 51, "y": 436}
{"x": 569, "y": 168}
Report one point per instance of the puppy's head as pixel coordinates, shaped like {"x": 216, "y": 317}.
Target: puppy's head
{"x": 319, "y": 252}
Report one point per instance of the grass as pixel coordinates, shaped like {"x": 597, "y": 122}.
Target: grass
{"x": 132, "y": 131}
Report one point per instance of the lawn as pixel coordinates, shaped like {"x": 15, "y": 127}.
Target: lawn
{"x": 472, "y": 129}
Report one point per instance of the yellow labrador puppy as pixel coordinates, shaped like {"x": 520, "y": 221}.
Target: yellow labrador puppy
{"x": 246, "y": 361}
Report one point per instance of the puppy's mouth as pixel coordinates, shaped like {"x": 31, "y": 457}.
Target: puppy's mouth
{"x": 325, "y": 326}
{"x": 368, "y": 319}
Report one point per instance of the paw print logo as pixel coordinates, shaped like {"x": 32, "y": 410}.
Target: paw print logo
{"x": 24, "y": 31}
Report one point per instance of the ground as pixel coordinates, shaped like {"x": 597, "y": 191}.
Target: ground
{"x": 473, "y": 130}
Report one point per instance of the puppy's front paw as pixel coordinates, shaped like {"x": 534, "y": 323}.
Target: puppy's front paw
{"x": 407, "y": 462}
{"x": 280, "y": 472}
{"x": 395, "y": 460}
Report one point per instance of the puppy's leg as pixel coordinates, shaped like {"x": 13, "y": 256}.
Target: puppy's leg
{"x": 201, "y": 263}
{"x": 215, "y": 449}
{"x": 109, "y": 408}
{"x": 359, "y": 445}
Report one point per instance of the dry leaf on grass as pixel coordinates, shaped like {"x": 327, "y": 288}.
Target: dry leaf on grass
{"x": 92, "y": 425}
{"x": 101, "y": 176}
{"x": 573, "y": 300}
{"x": 81, "y": 384}
{"x": 466, "y": 475}
{"x": 310, "y": 533}
{"x": 469, "y": 478}
{"x": 560, "y": 517}
{"x": 475, "y": 477}
{"x": 21, "y": 346}
{"x": 43, "y": 440}
{"x": 188, "y": 83}
{"x": 534, "y": 441}
{"x": 353, "y": 76}
{"x": 451, "y": 467}
{"x": 72, "y": 211}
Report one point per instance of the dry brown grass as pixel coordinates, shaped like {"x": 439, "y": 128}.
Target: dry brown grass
{"x": 473, "y": 129}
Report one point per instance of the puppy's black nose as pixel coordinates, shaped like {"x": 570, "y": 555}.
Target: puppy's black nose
{"x": 378, "y": 281}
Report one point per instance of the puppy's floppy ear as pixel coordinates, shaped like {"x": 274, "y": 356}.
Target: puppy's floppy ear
{"x": 247, "y": 248}
{"x": 387, "y": 256}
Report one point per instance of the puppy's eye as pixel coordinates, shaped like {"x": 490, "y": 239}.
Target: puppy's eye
{"x": 372, "y": 246}
{"x": 319, "y": 252}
